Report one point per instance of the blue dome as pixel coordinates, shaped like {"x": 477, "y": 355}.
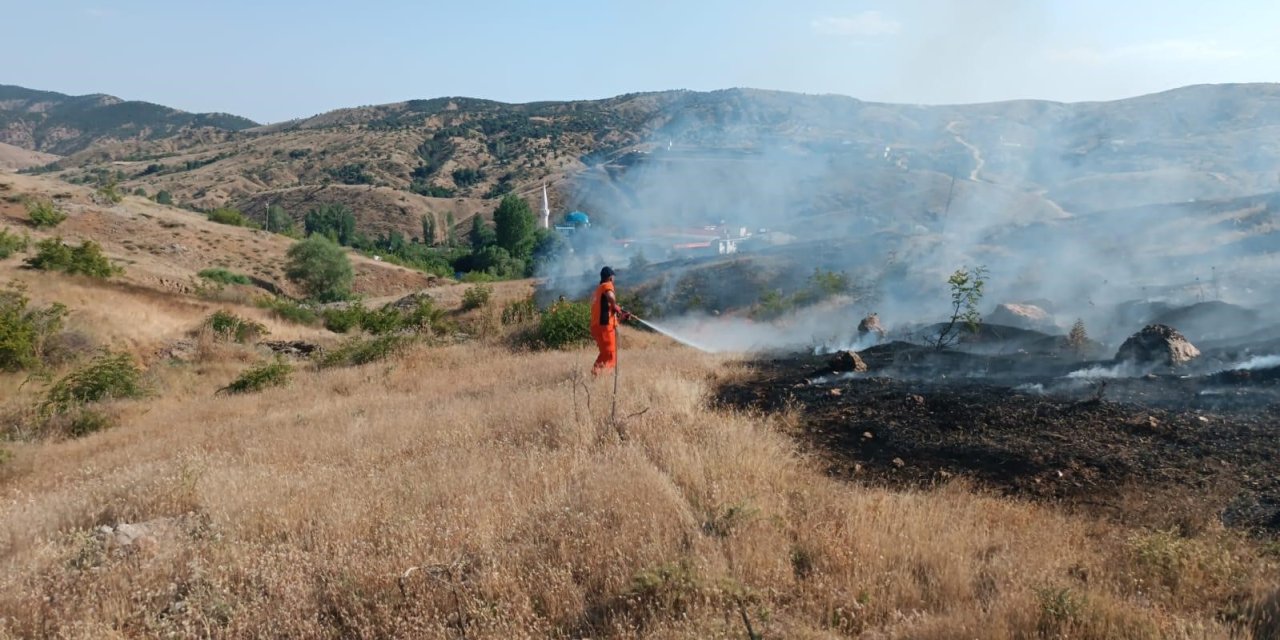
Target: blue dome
{"x": 577, "y": 217}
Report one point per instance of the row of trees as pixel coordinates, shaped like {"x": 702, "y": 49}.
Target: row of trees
{"x": 511, "y": 247}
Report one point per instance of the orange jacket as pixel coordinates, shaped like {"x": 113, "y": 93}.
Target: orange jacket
{"x": 602, "y": 313}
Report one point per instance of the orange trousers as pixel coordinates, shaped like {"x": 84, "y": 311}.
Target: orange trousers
{"x": 607, "y": 342}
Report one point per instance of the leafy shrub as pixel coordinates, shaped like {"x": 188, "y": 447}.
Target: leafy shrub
{"x": 321, "y": 268}
{"x": 24, "y": 331}
{"x": 229, "y": 326}
{"x": 358, "y": 351}
{"x": 476, "y": 296}
{"x": 87, "y": 259}
{"x": 222, "y": 276}
{"x": 44, "y": 214}
{"x": 382, "y": 321}
{"x": 290, "y": 311}
{"x": 520, "y": 311}
{"x": 164, "y": 197}
{"x": 344, "y": 319}
{"x": 87, "y": 421}
{"x": 110, "y": 192}
{"x": 231, "y": 217}
{"x": 271, "y": 374}
{"x": 109, "y": 376}
{"x": 5, "y": 455}
{"x": 11, "y": 243}
{"x": 565, "y": 324}
{"x": 478, "y": 277}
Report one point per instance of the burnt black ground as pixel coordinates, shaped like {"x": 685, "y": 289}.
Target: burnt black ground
{"x": 1158, "y": 450}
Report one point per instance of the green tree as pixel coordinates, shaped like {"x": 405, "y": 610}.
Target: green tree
{"x": 334, "y": 221}
{"x": 967, "y": 286}
{"x": 321, "y": 268}
{"x": 514, "y": 224}
{"x": 278, "y": 221}
{"x": 449, "y": 239}
{"x": 428, "y": 229}
{"x": 164, "y": 197}
{"x": 44, "y": 214}
{"x": 481, "y": 235}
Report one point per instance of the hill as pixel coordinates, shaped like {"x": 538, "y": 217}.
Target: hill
{"x": 12, "y": 157}
{"x": 57, "y": 123}
{"x": 465, "y": 483}
{"x": 693, "y": 155}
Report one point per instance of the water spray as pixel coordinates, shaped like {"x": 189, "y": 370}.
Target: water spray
{"x": 669, "y": 334}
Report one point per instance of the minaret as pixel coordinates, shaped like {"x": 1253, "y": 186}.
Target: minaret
{"x": 546, "y": 209}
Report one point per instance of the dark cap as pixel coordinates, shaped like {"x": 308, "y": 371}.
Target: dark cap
{"x": 606, "y": 273}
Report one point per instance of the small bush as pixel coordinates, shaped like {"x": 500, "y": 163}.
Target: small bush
{"x": 87, "y": 421}
{"x": 477, "y": 277}
{"x": 87, "y": 259}
{"x": 382, "y": 321}
{"x": 358, "y": 351}
{"x": 25, "y": 332}
{"x": 44, "y": 214}
{"x": 520, "y": 312}
{"x": 290, "y": 311}
{"x": 164, "y": 197}
{"x": 110, "y": 192}
{"x": 476, "y": 296}
{"x": 231, "y": 217}
{"x": 222, "y": 276}
{"x": 565, "y": 324}
{"x": 271, "y": 374}
{"x": 11, "y": 243}
{"x": 229, "y": 326}
{"x": 344, "y": 319}
{"x": 110, "y": 376}
{"x": 5, "y": 456}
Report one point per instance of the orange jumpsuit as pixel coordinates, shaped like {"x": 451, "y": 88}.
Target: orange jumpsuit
{"x": 604, "y": 328}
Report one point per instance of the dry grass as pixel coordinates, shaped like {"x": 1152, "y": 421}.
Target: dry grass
{"x": 304, "y": 511}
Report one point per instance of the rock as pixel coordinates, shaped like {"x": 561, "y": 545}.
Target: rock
{"x": 1022, "y": 316}
{"x": 844, "y": 361}
{"x": 292, "y": 348}
{"x": 412, "y": 301}
{"x": 184, "y": 350}
{"x": 1158, "y": 344}
{"x": 127, "y": 537}
{"x": 835, "y": 392}
{"x": 899, "y": 463}
{"x": 917, "y": 400}
{"x": 870, "y": 324}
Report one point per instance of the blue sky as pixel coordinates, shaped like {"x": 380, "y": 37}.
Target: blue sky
{"x": 272, "y": 60}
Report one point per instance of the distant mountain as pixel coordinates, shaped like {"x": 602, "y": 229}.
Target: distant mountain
{"x": 824, "y": 164}
{"x": 56, "y": 123}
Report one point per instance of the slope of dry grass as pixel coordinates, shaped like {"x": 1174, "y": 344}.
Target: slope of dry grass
{"x": 467, "y": 490}
{"x": 163, "y": 248}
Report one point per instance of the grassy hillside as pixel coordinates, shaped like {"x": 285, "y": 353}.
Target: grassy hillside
{"x": 57, "y": 123}
{"x": 689, "y": 155}
{"x": 463, "y": 484}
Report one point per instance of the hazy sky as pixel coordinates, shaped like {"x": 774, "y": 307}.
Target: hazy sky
{"x": 272, "y": 60}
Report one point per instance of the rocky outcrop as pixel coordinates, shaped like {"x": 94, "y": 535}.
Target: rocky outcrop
{"x": 846, "y": 361}
{"x": 1022, "y": 316}
{"x": 1158, "y": 344}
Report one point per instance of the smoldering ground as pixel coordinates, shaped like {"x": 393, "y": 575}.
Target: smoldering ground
{"x": 887, "y": 194}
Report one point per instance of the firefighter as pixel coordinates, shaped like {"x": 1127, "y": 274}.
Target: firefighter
{"x": 605, "y": 314}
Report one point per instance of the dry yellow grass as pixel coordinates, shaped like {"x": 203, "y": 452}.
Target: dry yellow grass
{"x": 163, "y": 248}
{"x": 467, "y": 490}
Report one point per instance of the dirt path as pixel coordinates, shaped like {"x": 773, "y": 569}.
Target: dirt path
{"x": 978, "y": 162}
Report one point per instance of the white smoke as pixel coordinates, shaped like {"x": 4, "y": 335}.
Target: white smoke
{"x": 1257, "y": 362}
